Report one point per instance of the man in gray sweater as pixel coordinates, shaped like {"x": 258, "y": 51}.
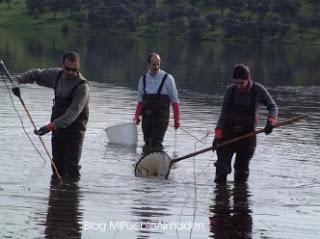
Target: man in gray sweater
{"x": 239, "y": 117}
{"x": 70, "y": 111}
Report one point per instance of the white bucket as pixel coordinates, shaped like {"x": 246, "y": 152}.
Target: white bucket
{"x": 126, "y": 134}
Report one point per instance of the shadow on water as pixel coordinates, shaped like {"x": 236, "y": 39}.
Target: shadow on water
{"x": 64, "y": 216}
{"x": 231, "y": 215}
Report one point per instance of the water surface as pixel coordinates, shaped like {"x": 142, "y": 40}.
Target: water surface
{"x": 281, "y": 199}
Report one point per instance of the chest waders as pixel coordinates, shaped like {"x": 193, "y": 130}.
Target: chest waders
{"x": 240, "y": 120}
{"x": 155, "y": 117}
{"x": 67, "y": 142}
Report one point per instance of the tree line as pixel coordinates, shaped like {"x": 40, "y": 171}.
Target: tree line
{"x": 235, "y": 19}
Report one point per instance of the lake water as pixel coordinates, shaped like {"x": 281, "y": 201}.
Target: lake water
{"x": 280, "y": 200}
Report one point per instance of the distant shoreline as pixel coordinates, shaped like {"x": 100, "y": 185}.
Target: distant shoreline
{"x": 14, "y": 16}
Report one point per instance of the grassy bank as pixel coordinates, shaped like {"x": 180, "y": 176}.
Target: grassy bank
{"x": 15, "y": 16}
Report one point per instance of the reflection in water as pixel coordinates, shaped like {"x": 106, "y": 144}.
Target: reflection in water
{"x": 149, "y": 217}
{"x": 231, "y": 221}
{"x": 103, "y": 59}
{"x": 63, "y": 216}
{"x": 123, "y": 149}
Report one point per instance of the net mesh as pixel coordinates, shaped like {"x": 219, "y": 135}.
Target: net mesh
{"x": 156, "y": 164}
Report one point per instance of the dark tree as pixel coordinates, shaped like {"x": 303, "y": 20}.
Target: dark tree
{"x": 150, "y": 3}
{"x": 179, "y": 25}
{"x": 73, "y": 6}
{"x": 175, "y": 8}
{"x": 192, "y": 12}
{"x": 287, "y": 8}
{"x": 35, "y": 7}
{"x": 222, "y": 5}
{"x": 232, "y": 29}
{"x": 276, "y": 29}
{"x": 174, "y": 3}
{"x": 259, "y": 7}
{"x": 92, "y": 3}
{"x": 231, "y": 25}
{"x": 56, "y": 6}
{"x": 139, "y": 8}
{"x": 315, "y": 20}
{"x": 315, "y": 5}
{"x": 230, "y": 19}
{"x": 248, "y": 30}
{"x": 303, "y": 23}
{"x": 197, "y": 26}
{"x": 100, "y": 16}
{"x": 198, "y": 3}
{"x": 8, "y": 2}
{"x": 212, "y": 19}
{"x": 236, "y": 5}
{"x": 117, "y": 11}
{"x": 155, "y": 17}
{"x": 130, "y": 21}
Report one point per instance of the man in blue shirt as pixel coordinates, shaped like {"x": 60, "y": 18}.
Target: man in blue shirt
{"x": 156, "y": 91}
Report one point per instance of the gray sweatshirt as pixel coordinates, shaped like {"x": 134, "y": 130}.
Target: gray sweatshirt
{"x": 48, "y": 77}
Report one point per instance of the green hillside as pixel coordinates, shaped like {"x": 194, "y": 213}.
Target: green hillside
{"x": 235, "y": 20}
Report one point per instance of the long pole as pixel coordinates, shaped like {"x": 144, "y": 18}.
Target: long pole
{"x": 32, "y": 122}
{"x": 289, "y": 121}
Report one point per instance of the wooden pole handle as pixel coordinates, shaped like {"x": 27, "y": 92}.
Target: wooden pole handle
{"x": 289, "y": 121}
{"x": 33, "y": 124}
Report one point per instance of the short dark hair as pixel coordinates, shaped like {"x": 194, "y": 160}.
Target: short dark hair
{"x": 241, "y": 71}
{"x": 151, "y": 55}
{"x": 71, "y": 56}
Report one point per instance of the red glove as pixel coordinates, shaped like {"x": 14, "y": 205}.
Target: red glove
{"x": 272, "y": 120}
{"x": 218, "y": 133}
{"x": 138, "y": 113}
{"x": 176, "y": 115}
{"x": 45, "y": 129}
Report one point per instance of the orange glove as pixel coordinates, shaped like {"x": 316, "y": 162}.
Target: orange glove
{"x": 138, "y": 113}
{"x": 176, "y": 115}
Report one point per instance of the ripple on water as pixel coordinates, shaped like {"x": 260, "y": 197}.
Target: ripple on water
{"x": 281, "y": 200}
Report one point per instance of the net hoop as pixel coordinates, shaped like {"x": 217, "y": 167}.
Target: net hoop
{"x": 155, "y": 164}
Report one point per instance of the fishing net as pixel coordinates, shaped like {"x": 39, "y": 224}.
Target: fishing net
{"x": 155, "y": 164}
{"x": 158, "y": 164}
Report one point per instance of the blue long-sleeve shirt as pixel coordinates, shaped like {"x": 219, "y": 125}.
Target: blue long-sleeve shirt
{"x": 153, "y": 83}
